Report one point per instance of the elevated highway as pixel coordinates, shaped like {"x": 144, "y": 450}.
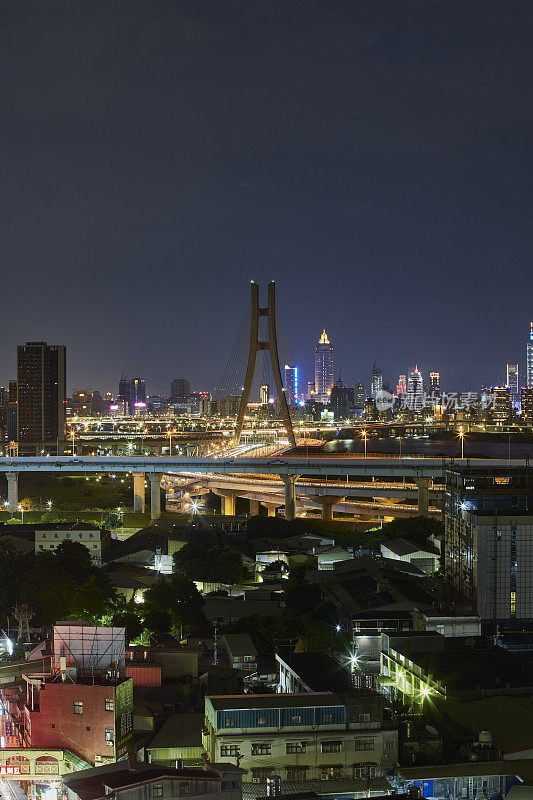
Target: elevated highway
{"x": 417, "y": 470}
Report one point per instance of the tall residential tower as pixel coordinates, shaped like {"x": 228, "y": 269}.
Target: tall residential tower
{"x": 529, "y": 357}
{"x": 41, "y": 393}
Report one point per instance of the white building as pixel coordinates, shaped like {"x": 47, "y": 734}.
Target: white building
{"x": 51, "y": 538}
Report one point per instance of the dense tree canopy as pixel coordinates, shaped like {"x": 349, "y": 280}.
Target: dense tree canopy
{"x": 197, "y": 562}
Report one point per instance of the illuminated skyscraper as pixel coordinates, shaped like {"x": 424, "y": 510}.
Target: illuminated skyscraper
{"x": 434, "y": 382}
{"x": 512, "y": 383}
{"x": 376, "y": 385}
{"x": 323, "y": 368}
{"x": 415, "y": 390}
{"x": 264, "y": 394}
{"x": 529, "y": 357}
{"x": 291, "y": 384}
{"x": 401, "y": 386}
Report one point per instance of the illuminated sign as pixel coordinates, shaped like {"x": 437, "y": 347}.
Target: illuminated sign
{"x": 113, "y": 408}
{"x": 9, "y": 770}
{"x": 140, "y": 405}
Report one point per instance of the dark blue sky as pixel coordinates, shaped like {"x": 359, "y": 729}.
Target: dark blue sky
{"x": 374, "y": 158}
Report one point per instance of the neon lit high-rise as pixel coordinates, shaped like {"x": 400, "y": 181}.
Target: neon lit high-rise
{"x": 529, "y": 357}
{"x": 323, "y": 368}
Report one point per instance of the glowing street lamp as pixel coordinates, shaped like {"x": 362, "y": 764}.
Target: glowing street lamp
{"x": 364, "y": 435}
{"x": 462, "y": 438}
{"x": 21, "y": 509}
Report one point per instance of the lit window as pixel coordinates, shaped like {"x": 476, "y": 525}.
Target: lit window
{"x": 296, "y": 719}
{"x": 261, "y": 748}
{"x": 331, "y": 747}
{"x": 78, "y": 706}
{"x": 109, "y": 735}
{"x": 157, "y": 790}
{"x": 230, "y": 750}
{"x": 261, "y": 721}
{"x": 328, "y": 719}
{"x": 230, "y": 722}
{"x": 109, "y": 704}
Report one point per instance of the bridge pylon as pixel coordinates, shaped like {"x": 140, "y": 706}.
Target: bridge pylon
{"x": 271, "y": 344}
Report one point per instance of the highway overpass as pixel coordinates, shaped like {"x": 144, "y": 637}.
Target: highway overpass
{"x": 418, "y": 470}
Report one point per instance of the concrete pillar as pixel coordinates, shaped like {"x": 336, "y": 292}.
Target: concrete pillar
{"x": 327, "y": 501}
{"x": 423, "y": 496}
{"x": 138, "y": 492}
{"x": 290, "y": 499}
{"x": 228, "y": 502}
{"x": 271, "y": 508}
{"x": 254, "y": 508}
{"x": 155, "y": 494}
{"x": 12, "y": 491}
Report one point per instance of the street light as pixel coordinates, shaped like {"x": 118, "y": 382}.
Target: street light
{"x": 462, "y": 438}
{"x": 21, "y": 509}
{"x": 364, "y": 434}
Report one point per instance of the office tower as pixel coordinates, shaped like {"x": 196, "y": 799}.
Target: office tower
{"x": 11, "y": 412}
{"x": 264, "y": 394}
{"x": 415, "y": 390}
{"x": 527, "y": 404}
{"x": 529, "y": 357}
{"x": 434, "y": 382}
{"x": 341, "y": 401}
{"x": 323, "y": 368}
{"x": 82, "y": 403}
{"x": 487, "y": 542}
{"x": 124, "y": 392}
{"x": 401, "y": 386}
{"x": 359, "y": 396}
{"x": 512, "y": 383}
{"x": 97, "y": 403}
{"x": 137, "y": 394}
{"x": 41, "y": 393}
{"x": 180, "y": 390}
{"x": 501, "y": 404}
{"x": 291, "y": 384}
{"x": 376, "y": 386}
{"x": 310, "y": 389}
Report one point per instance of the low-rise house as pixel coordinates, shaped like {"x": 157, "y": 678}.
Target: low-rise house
{"x": 240, "y": 650}
{"x": 300, "y": 737}
{"x": 425, "y": 557}
{"x": 135, "y": 780}
{"x": 180, "y": 738}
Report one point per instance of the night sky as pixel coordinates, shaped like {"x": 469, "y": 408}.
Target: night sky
{"x": 374, "y": 158}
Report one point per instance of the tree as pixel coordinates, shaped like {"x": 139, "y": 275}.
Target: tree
{"x": 111, "y": 520}
{"x": 180, "y": 598}
{"x": 226, "y": 566}
{"x": 192, "y": 561}
{"x": 158, "y": 621}
{"x": 52, "y": 515}
{"x": 13, "y": 582}
{"x": 301, "y": 597}
{"x": 74, "y": 559}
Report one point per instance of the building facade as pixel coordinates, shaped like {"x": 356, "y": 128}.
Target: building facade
{"x": 180, "y": 390}
{"x": 291, "y": 384}
{"x": 323, "y": 368}
{"x": 488, "y": 546}
{"x": 41, "y": 393}
{"x": 529, "y": 357}
{"x": 415, "y": 391}
{"x": 297, "y": 736}
{"x": 526, "y": 404}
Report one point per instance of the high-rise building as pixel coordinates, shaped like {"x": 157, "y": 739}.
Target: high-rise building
{"x": 291, "y": 384}
{"x": 513, "y": 383}
{"x": 323, "y": 368}
{"x": 41, "y": 393}
{"x": 434, "y": 382}
{"x": 124, "y": 392}
{"x": 180, "y": 390}
{"x": 527, "y": 404}
{"x": 138, "y": 394}
{"x": 310, "y": 389}
{"x": 415, "y": 390}
{"x": 376, "y": 386}
{"x": 501, "y": 404}
{"x": 341, "y": 400}
{"x": 487, "y": 541}
{"x": 264, "y": 394}
{"x": 401, "y": 386}
{"x": 529, "y": 357}
{"x": 359, "y": 396}
{"x": 132, "y": 393}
